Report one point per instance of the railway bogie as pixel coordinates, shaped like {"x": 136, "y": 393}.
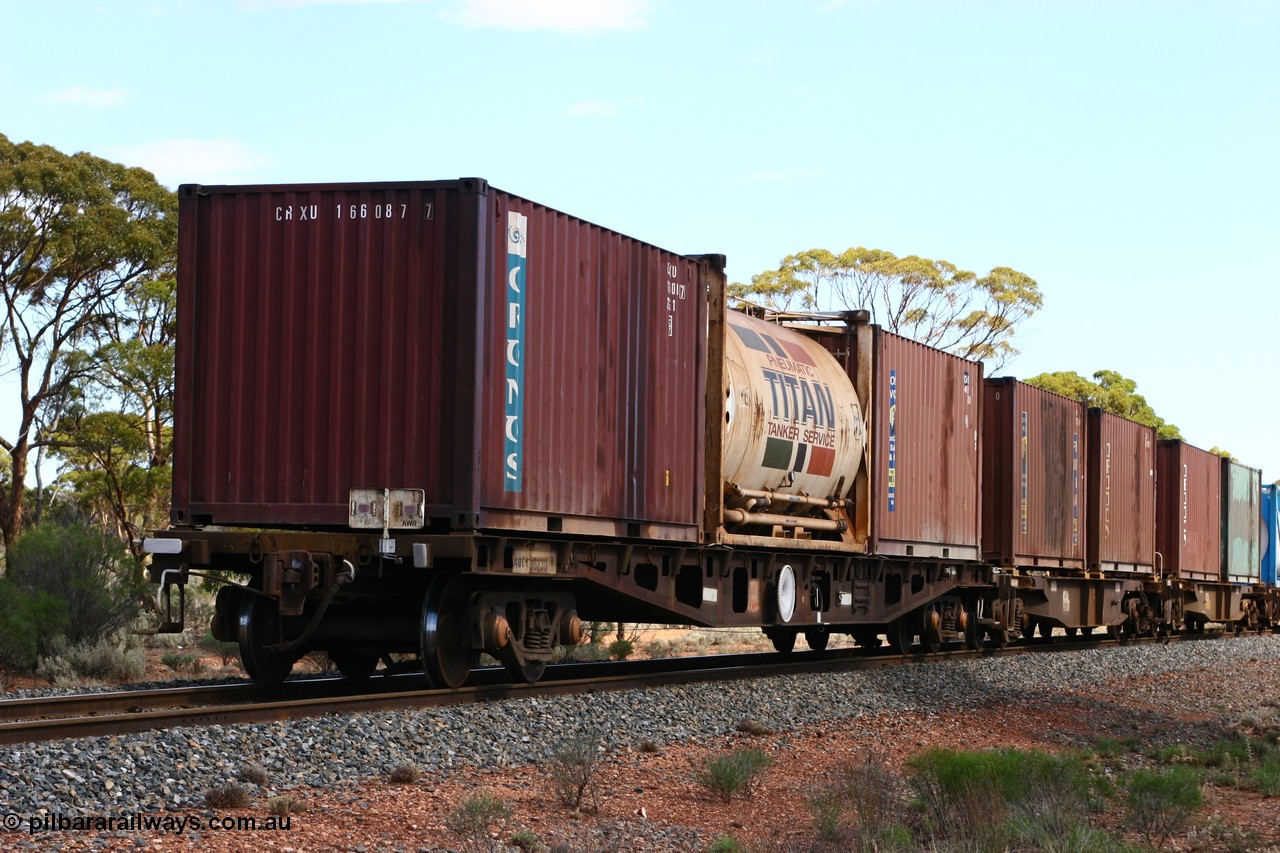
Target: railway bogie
{"x": 519, "y": 421}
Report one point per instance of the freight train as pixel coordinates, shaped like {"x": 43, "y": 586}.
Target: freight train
{"x": 430, "y": 420}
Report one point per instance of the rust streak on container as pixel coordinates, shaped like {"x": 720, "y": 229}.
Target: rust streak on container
{"x": 1121, "y": 520}
{"x": 1034, "y": 476}
{"x": 926, "y": 482}
{"x": 1189, "y": 510}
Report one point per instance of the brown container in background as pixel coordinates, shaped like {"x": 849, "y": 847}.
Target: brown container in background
{"x": 1120, "y": 514}
{"x": 527, "y": 369}
{"x": 1033, "y": 475}
{"x": 926, "y": 479}
{"x": 1188, "y": 511}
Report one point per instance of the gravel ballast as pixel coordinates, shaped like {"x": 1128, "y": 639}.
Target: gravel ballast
{"x": 170, "y": 770}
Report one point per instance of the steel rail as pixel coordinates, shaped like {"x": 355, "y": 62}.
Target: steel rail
{"x": 122, "y": 712}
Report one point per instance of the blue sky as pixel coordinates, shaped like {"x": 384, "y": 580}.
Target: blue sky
{"x": 1122, "y": 153}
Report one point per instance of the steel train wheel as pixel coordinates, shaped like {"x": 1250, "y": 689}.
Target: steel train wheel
{"x": 817, "y": 638}
{"x": 931, "y": 629}
{"x": 972, "y": 630}
{"x": 783, "y": 639}
{"x": 354, "y": 666}
{"x": 532, "y": 671}
{"x": 258, "y": 627}
{"x": 902, "y": 633}
{"x": 447, "y": 656}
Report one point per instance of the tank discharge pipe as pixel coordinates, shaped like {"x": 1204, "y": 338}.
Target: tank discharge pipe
{"x": 769, "y": 496}
{"x": 738, "y": 516}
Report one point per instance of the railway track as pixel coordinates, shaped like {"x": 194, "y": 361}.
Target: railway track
{"x": 125, "y": 712}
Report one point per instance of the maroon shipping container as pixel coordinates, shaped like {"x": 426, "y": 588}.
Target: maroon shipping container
{"x": 1033, "y": 475}
{"x": 1188, "y": 511}
{"x": 527, "y": 369}
{"x": 1120, "y": 514}
{"x": 926, "y": 484}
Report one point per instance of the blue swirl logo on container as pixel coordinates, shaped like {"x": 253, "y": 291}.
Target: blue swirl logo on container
{"x": 513, "y": 414}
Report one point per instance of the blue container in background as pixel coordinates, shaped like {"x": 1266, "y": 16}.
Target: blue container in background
{"x": 1270, "y": 505}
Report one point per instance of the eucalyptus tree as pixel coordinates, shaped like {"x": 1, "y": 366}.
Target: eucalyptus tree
{"x": 77, "y": 233}
{"x": 1110, "y": 391}
{"x": 931, "y": 301}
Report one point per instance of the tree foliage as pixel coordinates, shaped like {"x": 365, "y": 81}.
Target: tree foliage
{"x": 931, "y": 301}
{"x": 83, "y": 584}
{"x": 77, "y": 235}
{"x": 115, "y": 429}
{"x": 1109, "y": 391}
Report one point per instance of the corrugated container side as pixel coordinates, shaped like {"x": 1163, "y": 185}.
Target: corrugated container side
{"x": 613, "y": 334}
{"x": 1270, "y": 528}
{"x": 1120, "y": 513}
{"x": 1033, "y": 475}
{"x": 1241, "y": 522}
{"x": 319, "y": 349}
{"x": 399, "y": 335}
{"x": 926, "y": 485}
{"x": 1189, "y": 510}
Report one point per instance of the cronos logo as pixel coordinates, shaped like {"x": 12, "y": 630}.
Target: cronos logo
{"x": 514, "y": 356}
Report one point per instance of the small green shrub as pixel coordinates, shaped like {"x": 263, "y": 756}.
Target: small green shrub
{"x": 995, "y": 799}
{"x": 229, "y": 796}
{"x": 283, "y": 805}
{"x": 107, "y": 659}
{"x": 1161, "y": 802}
{"x": 404, "y": 774}
{"x": 737, "y": 772}
{"x": 1114, "y": 748}
{"x": 525, "y": 839}
{"x": 574, "y": 769}
{"x": 96, "y": 583}
{"x": 253, "y": 774}
{"x": 474, "y": 819}
{"x": 31, "y": 624}
{"x": 1266, "y": 776}
{"x": 860, "y": 806}
{"x": 749, "y": 726}
{"x": 179, "y": 662}
{"x": 228, "y": 653}
{"x": 726, "y": 844}
{"x": 621, "y": 649}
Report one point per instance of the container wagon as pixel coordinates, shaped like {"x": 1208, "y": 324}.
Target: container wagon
{"x": 431, "y": 420}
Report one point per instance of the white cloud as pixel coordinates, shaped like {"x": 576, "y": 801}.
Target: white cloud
{"x": 185, "y": 161}
{"x": 579, "y": 17}
{"x": 83, "y": 96}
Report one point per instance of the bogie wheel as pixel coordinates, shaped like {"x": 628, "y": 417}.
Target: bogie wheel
{"x": 931, "y": 630}
{"x": 972, "y": 630}
{"x": 1072, "y": 632}
{"x": 447, "y": 656}
{"x": 354, "y": 666}
{"x": 531, "y": 671}
{"x": 783, "y": 639}
{"x": 257, "y": 628}
{"x": 902, "y": 633}
{"x": 999, "y": 636}
{"x": 817, "y": 638}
